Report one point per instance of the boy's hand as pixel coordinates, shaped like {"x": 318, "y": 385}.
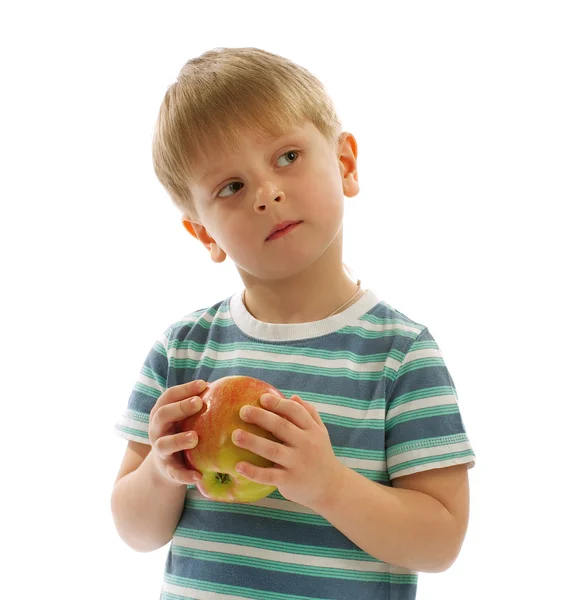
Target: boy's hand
{"x": 306, "y": 469}
{"x": 173, "y": 406}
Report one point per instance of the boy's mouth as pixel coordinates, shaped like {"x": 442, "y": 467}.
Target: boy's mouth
{"x": 283, "y": 229}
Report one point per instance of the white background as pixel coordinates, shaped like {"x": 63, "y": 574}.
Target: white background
{"x": 467, "y": 116}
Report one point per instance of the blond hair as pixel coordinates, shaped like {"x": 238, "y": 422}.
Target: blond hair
{"x": 220, "y": 96}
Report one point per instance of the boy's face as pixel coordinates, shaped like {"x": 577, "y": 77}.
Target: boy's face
{"x": 297, "y": 177}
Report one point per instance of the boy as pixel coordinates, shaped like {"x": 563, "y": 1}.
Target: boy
{"x": 371, "y": 468}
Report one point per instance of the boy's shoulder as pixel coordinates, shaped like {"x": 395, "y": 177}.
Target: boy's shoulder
{"x": 203, "y": 316}
{"x": 389, "y": 312}
{"x": 386, "y": 317}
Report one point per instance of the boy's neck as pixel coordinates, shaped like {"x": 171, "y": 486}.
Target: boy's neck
{"x": 322, "y": 300}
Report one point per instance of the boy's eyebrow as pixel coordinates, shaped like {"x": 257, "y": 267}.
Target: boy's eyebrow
{"x": 209, "y": 173}
{"x": 271, "y": 140}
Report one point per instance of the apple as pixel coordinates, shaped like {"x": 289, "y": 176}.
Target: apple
{"x": 216, "y": 455}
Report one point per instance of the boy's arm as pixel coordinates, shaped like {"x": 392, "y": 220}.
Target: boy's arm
{"x": 420, "y": 523}
{"x": 146, "y": 507}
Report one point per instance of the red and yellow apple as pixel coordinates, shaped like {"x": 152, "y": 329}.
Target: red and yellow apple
{"x": 216, "y": 455}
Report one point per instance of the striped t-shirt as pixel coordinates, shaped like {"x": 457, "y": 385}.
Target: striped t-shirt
{"x": 380, "y": 385}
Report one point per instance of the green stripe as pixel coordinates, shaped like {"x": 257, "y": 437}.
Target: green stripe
{"x": 344, "y": 401}
{"x": 279, "y": 566}
{"x": 359, "y": 453}
{"x": 135, "y": 415}
{"x": 217, "y": 364}
{"x": 256, "y": 511}
{"x": 274, "y": 545}
{"x": 149, "y": 372}
{"x": 433, "y": 442}
{"x": 195, "y": 318}
{"x": 289, "y": 351}
{"x": 362, "y": 332}
{"x": 391, "y": 321}
{"x": 426, "y": 392}
{"x": 397, "y": 355}
{"x": 235, "y": 590}
{"x": 422, "y": 413}
{"x": 352, "y": 422}
{"x": 428, "y": 460}
{"x": 195, "y": 315}
{"x": 129, "y": 430}
{"x": 146, "y": 390}
{"x": 377, "y": 476}
{"x": 421, "y": 363}
{"x": 159, "y": 346}
{"x": 276, "y": 495}
{"x": 425, "y": 345}
{"x": 389, "y": 373}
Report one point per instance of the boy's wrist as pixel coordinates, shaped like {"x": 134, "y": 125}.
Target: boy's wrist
{"x": 333, "y": 491}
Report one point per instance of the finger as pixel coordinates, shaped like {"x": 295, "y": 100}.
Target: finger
{"x": 179, "y": 392}
{"x": 311, "y": 408}
{"x": 178, "y": 411}
{"x": 295, "y": 412}
{"x": 179, "y": 474}
{"x": 273, "y": 451}
{"x": 167, "y": 445}
{"x": 282, "y": 428}
{"x": 270, "y": 476}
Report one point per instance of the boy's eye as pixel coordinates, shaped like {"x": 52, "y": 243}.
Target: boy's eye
{"x": 290, "y": 152}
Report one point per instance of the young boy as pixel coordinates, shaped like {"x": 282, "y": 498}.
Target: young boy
{"x": 372, "y": 457}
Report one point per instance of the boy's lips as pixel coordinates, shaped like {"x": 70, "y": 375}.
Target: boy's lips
{"x": 282, "y": 229}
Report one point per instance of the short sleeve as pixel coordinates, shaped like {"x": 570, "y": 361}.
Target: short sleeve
{"x": 133, "y": 424}
{"x": 424, "y": 429}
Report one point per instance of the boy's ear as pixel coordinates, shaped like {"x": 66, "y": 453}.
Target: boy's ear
{"x": 348, "y": 164}
{"x": 201, "y": 233}
{"x": 189, "y": 226}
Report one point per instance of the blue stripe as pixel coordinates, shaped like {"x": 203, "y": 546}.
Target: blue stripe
{"x": 261, "y": 583}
